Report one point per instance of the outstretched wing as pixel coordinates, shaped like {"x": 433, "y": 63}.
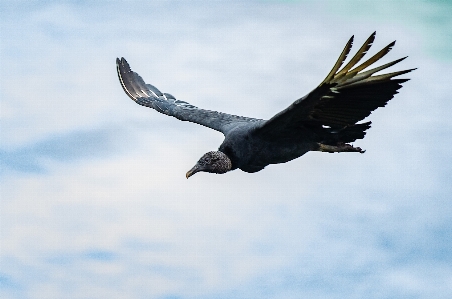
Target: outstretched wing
{"x": 345, "y": 97}
{"x": 149, "y": 96}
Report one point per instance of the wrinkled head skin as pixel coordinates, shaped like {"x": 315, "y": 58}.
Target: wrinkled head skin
{"x": 213, "y": 162}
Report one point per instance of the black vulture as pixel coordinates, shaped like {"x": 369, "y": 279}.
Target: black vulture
{"x": 326, "y": 119}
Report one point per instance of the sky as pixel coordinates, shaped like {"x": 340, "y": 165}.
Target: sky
{"x": 94, "y": 200}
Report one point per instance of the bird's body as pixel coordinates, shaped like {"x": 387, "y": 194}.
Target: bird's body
{"x": 250, "y": 152}
{"x": 326, "y": 119}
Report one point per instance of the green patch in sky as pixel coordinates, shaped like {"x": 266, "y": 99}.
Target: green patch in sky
{"x": 431, "y": 18}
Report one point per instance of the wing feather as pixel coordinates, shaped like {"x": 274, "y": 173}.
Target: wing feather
{"x": 340, "y": 60}
{"x": 344, "y": 98}
{"x": 360, "y": 54}
{"x": 374, "y": 58}
{"x": 149, "y": 96}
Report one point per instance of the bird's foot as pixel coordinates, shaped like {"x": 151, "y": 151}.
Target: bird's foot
{"x": 340, "y": 147}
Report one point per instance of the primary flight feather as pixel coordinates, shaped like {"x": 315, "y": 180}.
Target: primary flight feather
{"x": 326, "y": 119}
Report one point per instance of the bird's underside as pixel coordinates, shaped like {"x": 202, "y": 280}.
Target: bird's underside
{"x": 326, "y": 119}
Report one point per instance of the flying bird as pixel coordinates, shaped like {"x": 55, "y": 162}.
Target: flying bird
{"x": 326, "y": 119}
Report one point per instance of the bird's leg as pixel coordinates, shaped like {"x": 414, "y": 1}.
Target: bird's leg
{"x": 339, "y": 147}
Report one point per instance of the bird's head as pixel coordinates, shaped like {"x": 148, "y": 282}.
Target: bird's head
{"x": 214, "y": 162}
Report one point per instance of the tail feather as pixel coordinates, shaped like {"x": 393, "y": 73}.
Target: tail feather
{"x": 347, "y": 134}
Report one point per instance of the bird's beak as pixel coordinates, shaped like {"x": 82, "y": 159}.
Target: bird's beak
{"x": 192, "y": 171}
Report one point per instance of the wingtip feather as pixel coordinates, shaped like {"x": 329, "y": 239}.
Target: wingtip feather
{"x": 359, "y": 54}
{"x": 374, "y": 58}
{"x": 340, "y": 60}
{"x": 123, "y": 68}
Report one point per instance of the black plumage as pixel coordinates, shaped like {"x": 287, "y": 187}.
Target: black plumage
{"x": 326, "y": 119}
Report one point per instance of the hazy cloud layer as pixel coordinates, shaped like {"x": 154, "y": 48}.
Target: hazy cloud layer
{"x": 94, "y": 201}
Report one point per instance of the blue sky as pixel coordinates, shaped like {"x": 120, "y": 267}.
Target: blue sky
{"x": 94, "y": 200}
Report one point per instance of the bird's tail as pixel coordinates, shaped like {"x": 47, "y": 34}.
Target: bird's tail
{"x": 346, "y": 134}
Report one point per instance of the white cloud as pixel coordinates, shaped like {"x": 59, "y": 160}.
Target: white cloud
{"x": 124, "y": 222}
